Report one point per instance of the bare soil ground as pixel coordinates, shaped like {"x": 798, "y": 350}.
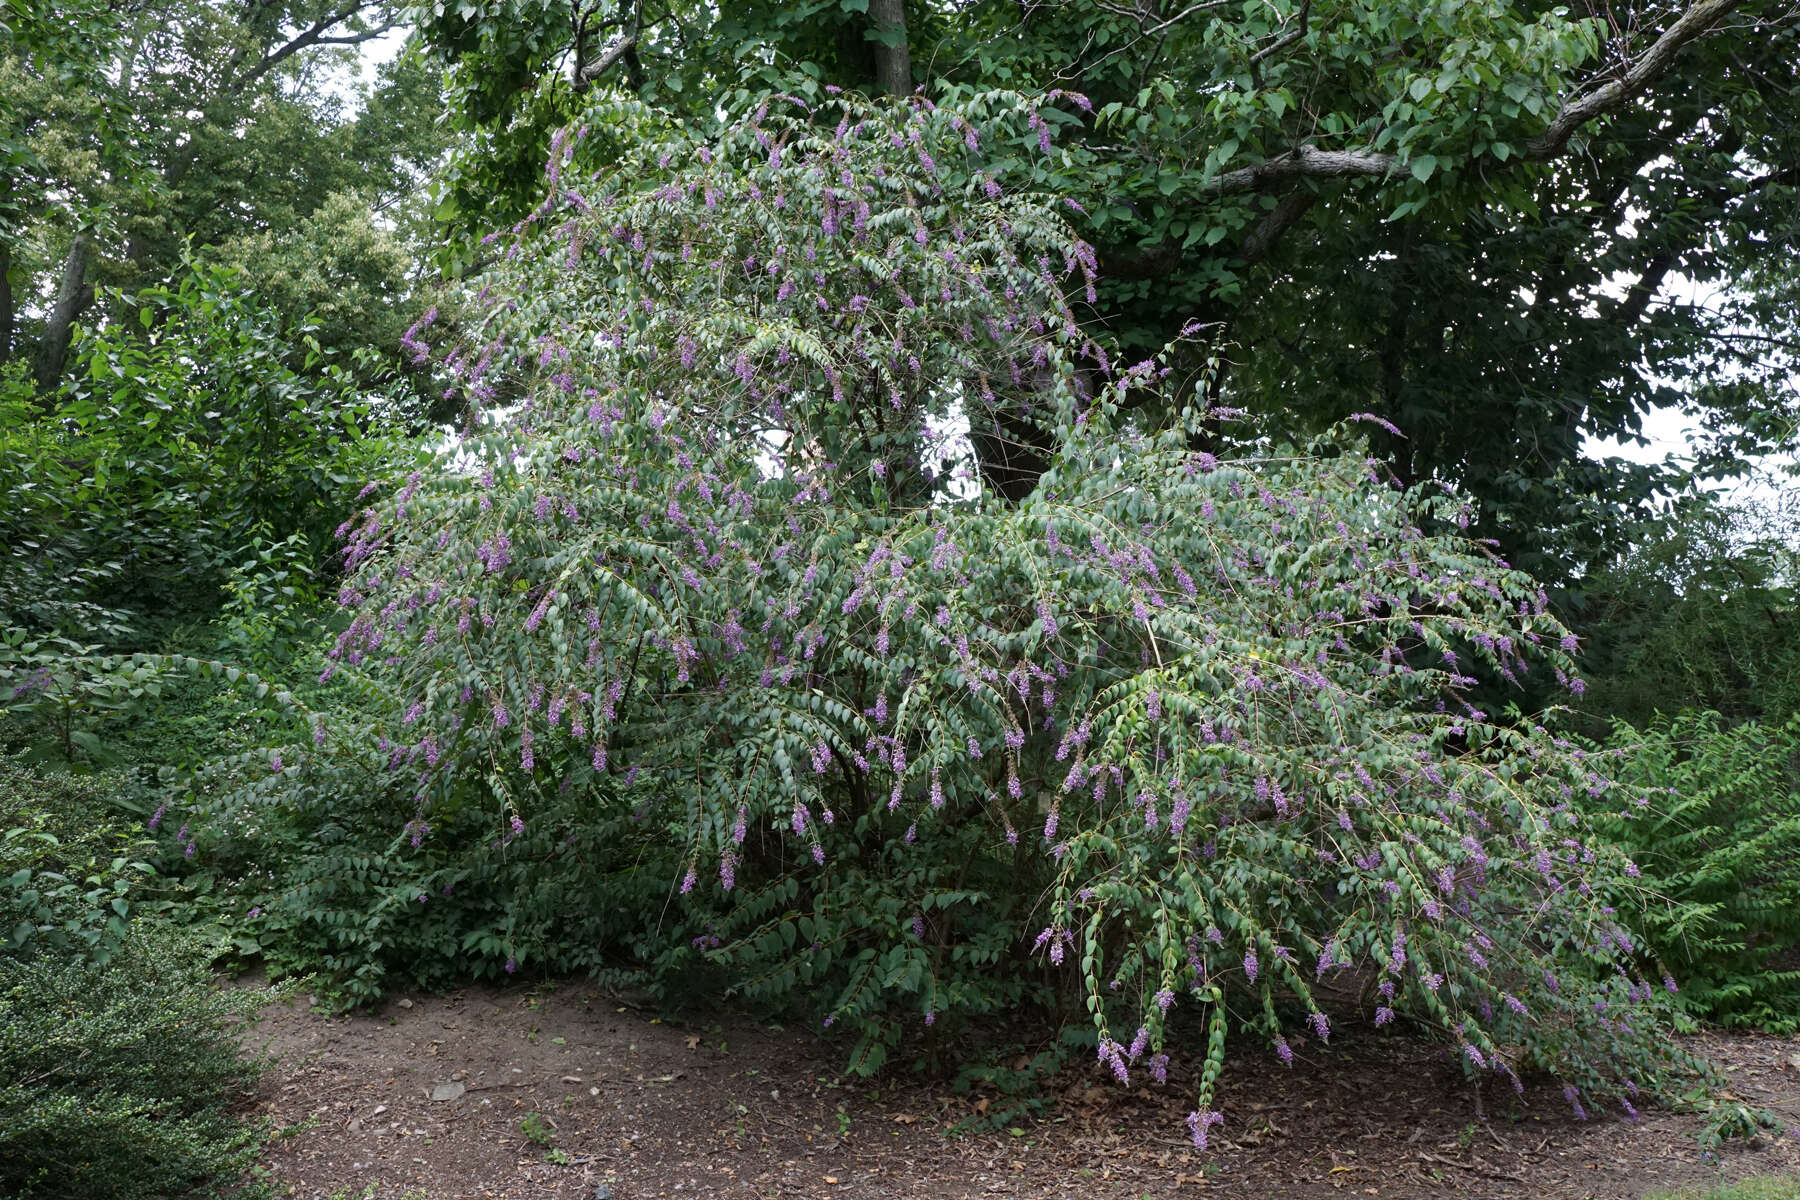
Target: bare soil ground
{"x": 424, "y": 1100}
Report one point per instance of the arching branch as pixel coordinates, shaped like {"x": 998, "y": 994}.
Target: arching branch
{"x": 1310, "y": 162}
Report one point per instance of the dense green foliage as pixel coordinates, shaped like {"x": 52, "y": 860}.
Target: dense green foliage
{"x": 120, "y": 1070}
{"x": 1716, "y": 836}
{"x": 192, "y": 428}
{"x": 72, "y": 866}
{"x": 1702, "y": 612}
{"x": 720, "y": 568}
{"x": 124, "y": 1079}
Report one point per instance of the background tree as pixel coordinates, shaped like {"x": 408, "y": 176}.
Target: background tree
{"x": 1703, "y": 612}
{"x": 145, "y": 129}
{"x": 1463, "y": 217}
{"x": 194, "y": 424}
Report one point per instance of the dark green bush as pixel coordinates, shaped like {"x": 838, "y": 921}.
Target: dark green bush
{"x": 69, "y": 866}
{"x": 124, "y": 1079}
{"x": 1699, "y": 614}
{"x": 184, "y": 436}
{"x": 1717, "y": 840}
{"x": 120, "y": 1074}
{"x": 333, "y": 881}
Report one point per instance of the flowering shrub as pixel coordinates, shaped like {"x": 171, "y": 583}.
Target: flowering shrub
{"x": 740, "y": 553}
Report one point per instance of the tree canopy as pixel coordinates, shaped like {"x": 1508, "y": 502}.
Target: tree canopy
{"x": 135, "y": 132}
{"x": 1466, "y": 217}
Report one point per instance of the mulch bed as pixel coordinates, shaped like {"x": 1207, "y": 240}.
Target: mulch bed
{"x": 423, "y": 1100}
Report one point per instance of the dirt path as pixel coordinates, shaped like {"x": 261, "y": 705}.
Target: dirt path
{"x": 424, "y": 1101}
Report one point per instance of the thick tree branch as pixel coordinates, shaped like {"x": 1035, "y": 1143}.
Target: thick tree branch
{"x": 316, "y": 34}
{"x": 1277, "y": 221}
{"x": 73, "y": 294}
{"x": 1698, "y": 20}
{"x": 587, "y": 73}
{"x": 1308, "y": 161}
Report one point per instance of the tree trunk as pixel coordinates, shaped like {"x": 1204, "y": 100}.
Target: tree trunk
{"x": 893, "y": 63}
{"x": 1012, "y": 450}
{"x": 72, "y": 295}
{"x": 6, "y": 303}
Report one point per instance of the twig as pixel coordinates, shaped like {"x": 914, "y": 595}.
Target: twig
{"x": 1450, "y": 1162}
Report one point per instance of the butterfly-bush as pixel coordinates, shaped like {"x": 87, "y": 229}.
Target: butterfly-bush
{"x": 719, "y": 549}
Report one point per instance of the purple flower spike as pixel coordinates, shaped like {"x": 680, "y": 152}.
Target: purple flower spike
{"x": 1199, "y": 1123}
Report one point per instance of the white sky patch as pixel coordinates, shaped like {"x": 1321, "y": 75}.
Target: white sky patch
{"x": 1671, "y": 436}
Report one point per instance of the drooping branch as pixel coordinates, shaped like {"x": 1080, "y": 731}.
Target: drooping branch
{"x": 1277, "y": 221}
{"x": 1309, "y": 161}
